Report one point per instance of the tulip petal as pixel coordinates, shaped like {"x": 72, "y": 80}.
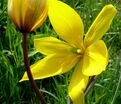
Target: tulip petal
{"x": 100, "y": 25}
{"x": 35, "y": 14}
{"x": 14, "y": 11}
{"x": 77, "y": 85}
{"x": 95, "y": 59}
{"x": 40, "y": 13}
{"x": 66, "y": 22}
{"x": 51, "y": 45}
{"x": 51, "y": 65}
{"x": 27, "y": 14}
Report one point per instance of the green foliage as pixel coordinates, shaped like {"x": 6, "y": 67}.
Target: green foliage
{"x": 107, "y": 89}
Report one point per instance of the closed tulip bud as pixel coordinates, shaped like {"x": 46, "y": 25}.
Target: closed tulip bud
{"x": 27, "y": 15}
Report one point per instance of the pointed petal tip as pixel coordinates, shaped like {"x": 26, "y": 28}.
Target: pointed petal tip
{"x": 100, "y": 25}
{"x": 51, "y": 65}
{"x": 24, "y": 78}
{"x": 20, "y": 81}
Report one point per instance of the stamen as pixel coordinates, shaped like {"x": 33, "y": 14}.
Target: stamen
{"x": 78, "y": 50}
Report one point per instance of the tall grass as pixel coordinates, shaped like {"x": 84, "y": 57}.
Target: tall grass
{"x": 107, "y": 89}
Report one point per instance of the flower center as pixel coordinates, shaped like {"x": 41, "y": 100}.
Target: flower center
{"x": 78, "y": 51}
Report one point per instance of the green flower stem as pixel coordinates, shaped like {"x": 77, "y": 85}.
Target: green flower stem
{"x": 90, "y": 84}
{"x": 34, "y": 86}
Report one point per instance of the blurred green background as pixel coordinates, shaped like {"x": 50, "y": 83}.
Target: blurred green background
{"x": 107, "y": 89}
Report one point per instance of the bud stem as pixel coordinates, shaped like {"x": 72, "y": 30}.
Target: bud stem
{"x": 34, "y": 86}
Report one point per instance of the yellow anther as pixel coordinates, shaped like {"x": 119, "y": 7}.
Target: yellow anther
{"x": 78, "y": 50}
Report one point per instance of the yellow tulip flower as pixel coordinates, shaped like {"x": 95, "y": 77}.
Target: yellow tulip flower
{"x": 27, "y": 15}
{"x": 88, "y": 55}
